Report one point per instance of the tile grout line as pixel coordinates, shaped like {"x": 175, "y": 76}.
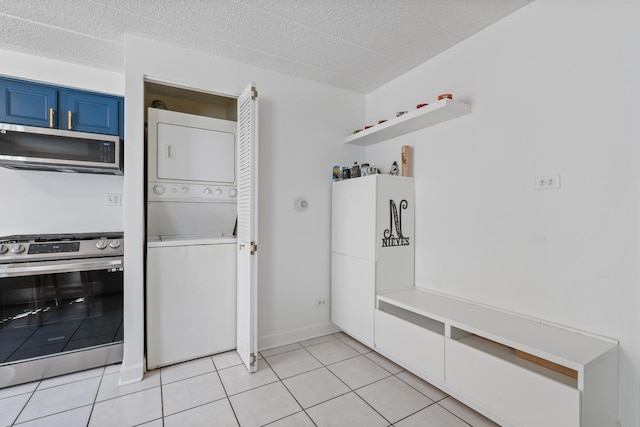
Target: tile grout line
{"x": 284, "y": 352}
{"x": 26, "y": 403}
{"x": 381, "y": 379}
{"x": 162, "y": 397}
{"x": 59, "y": 412}
{"x": 419, "y": 410}
{"x": 355, "y": 391}
{"x": 289, "y": 391}
{"x": 291, "y": 415}
{"x": 52, "y": 414}
{"x": 351, "y": 390}
{"x": 225, "y": 391}
{"x": 433, "y": 400}
{"x": 455, "y": 415}
{"x": 436, "y": 402}
{"x": 278, "y": 379}
{"x": 306, "y": 372}
{"x": 93, "y": 405}
{"x": 128, "y": 394}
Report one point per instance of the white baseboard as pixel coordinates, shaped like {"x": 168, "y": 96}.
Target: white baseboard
{"x": 276, "y": 340}
{"x": 131, "y": 374}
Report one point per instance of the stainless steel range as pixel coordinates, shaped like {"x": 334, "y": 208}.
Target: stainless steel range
{"x": 60, "y": 304}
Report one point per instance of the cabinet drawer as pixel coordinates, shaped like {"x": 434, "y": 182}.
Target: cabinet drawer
{"x": 418, "y": 348}
{"x": 476, "y": 369}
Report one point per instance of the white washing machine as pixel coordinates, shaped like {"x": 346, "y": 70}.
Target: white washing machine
{"x": 191, "y": 246}
{"x": 191, "y": 298}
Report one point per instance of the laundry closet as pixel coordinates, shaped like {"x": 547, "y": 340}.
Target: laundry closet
{"x": 191, "y": 219}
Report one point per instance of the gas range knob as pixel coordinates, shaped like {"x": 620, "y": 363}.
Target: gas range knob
{"x": 101, "y": 244}
{"x": 207, "y": 191}
{"x": 233, "y": 192}
{"x": 3, "y": 249}
{"x": 114, "y": 244}
{"x": 17, "y": 248}
{"x": 218, "y": 191}
{"x": 158, "y": 190}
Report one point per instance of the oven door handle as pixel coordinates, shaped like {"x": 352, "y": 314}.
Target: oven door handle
{"x": 63, "y": 266}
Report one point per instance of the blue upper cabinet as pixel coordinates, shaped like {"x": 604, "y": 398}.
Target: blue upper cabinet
{"x": 35, "y": 104}
{"x": 121, "y": 117}
{"x": 28, "y": 104}
{"x": 89, "y": 112}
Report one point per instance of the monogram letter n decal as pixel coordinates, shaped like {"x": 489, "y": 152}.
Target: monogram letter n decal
{"x": 395, "y": 219}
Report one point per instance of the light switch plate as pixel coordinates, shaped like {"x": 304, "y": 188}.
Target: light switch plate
{"x": 112, "y": 199}
{"x": 547, "y": 182}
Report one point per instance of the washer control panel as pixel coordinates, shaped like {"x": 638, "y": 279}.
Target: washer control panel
{"x": 162, "y": 191}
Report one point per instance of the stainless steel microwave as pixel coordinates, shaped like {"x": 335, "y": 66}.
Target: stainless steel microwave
{"x": 34, "y": 148}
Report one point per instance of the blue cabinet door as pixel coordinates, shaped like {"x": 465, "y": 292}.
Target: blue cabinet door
{"x": 121, "y": 118}
{"x": 89, "y": 112}
{"x": 28, "y": 104}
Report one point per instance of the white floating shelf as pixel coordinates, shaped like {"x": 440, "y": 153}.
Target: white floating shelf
{"x": 439, "y": 111}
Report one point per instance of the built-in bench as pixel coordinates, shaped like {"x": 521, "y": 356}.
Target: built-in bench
{"x": 516, "y": 370}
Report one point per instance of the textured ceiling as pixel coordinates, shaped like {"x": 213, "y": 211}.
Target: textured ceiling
{"x": 353, "y": 44}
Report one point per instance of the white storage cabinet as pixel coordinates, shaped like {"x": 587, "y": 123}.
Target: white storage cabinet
{"x": 472, "y": 352}
{"x": 372, "y": 245}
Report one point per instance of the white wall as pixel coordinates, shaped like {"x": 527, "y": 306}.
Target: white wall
{"x": 302, "y": 125}
{"x": 554, "y": 89}
{"x": 301, "y": 130}
{"x": 52, "y": 202}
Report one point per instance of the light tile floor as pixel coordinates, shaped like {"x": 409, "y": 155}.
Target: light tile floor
{"x": 332, "y": 380}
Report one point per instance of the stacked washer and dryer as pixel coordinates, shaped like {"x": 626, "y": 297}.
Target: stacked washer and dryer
{"x": 191, "y": 243}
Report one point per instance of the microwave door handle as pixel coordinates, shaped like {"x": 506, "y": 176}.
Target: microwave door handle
{"x": 34, "y": 268}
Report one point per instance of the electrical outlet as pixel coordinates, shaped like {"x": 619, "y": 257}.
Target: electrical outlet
{"x": 548, "y": 182}
{"x": 321, "y": 302}
{"x": 112, "y": 199}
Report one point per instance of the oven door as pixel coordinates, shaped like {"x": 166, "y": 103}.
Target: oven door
{"x": 59, "y": 316}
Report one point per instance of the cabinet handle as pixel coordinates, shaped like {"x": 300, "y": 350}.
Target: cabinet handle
{"x": 51, "y": 112}
{"x": 69, "y": 121}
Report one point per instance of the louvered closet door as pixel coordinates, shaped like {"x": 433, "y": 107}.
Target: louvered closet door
{"x": 248, "y": 226}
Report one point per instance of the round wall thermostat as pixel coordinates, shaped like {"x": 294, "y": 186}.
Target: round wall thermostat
{"x": 301, "y": 204}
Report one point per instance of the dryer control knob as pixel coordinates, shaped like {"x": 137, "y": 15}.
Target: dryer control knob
{"x": 101, "y": 244}
{"x": 158, "y": 190}
{"x": 233, "y": 192}
{"x": 17, "y": 248}
{"x": 114, "y": 244}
